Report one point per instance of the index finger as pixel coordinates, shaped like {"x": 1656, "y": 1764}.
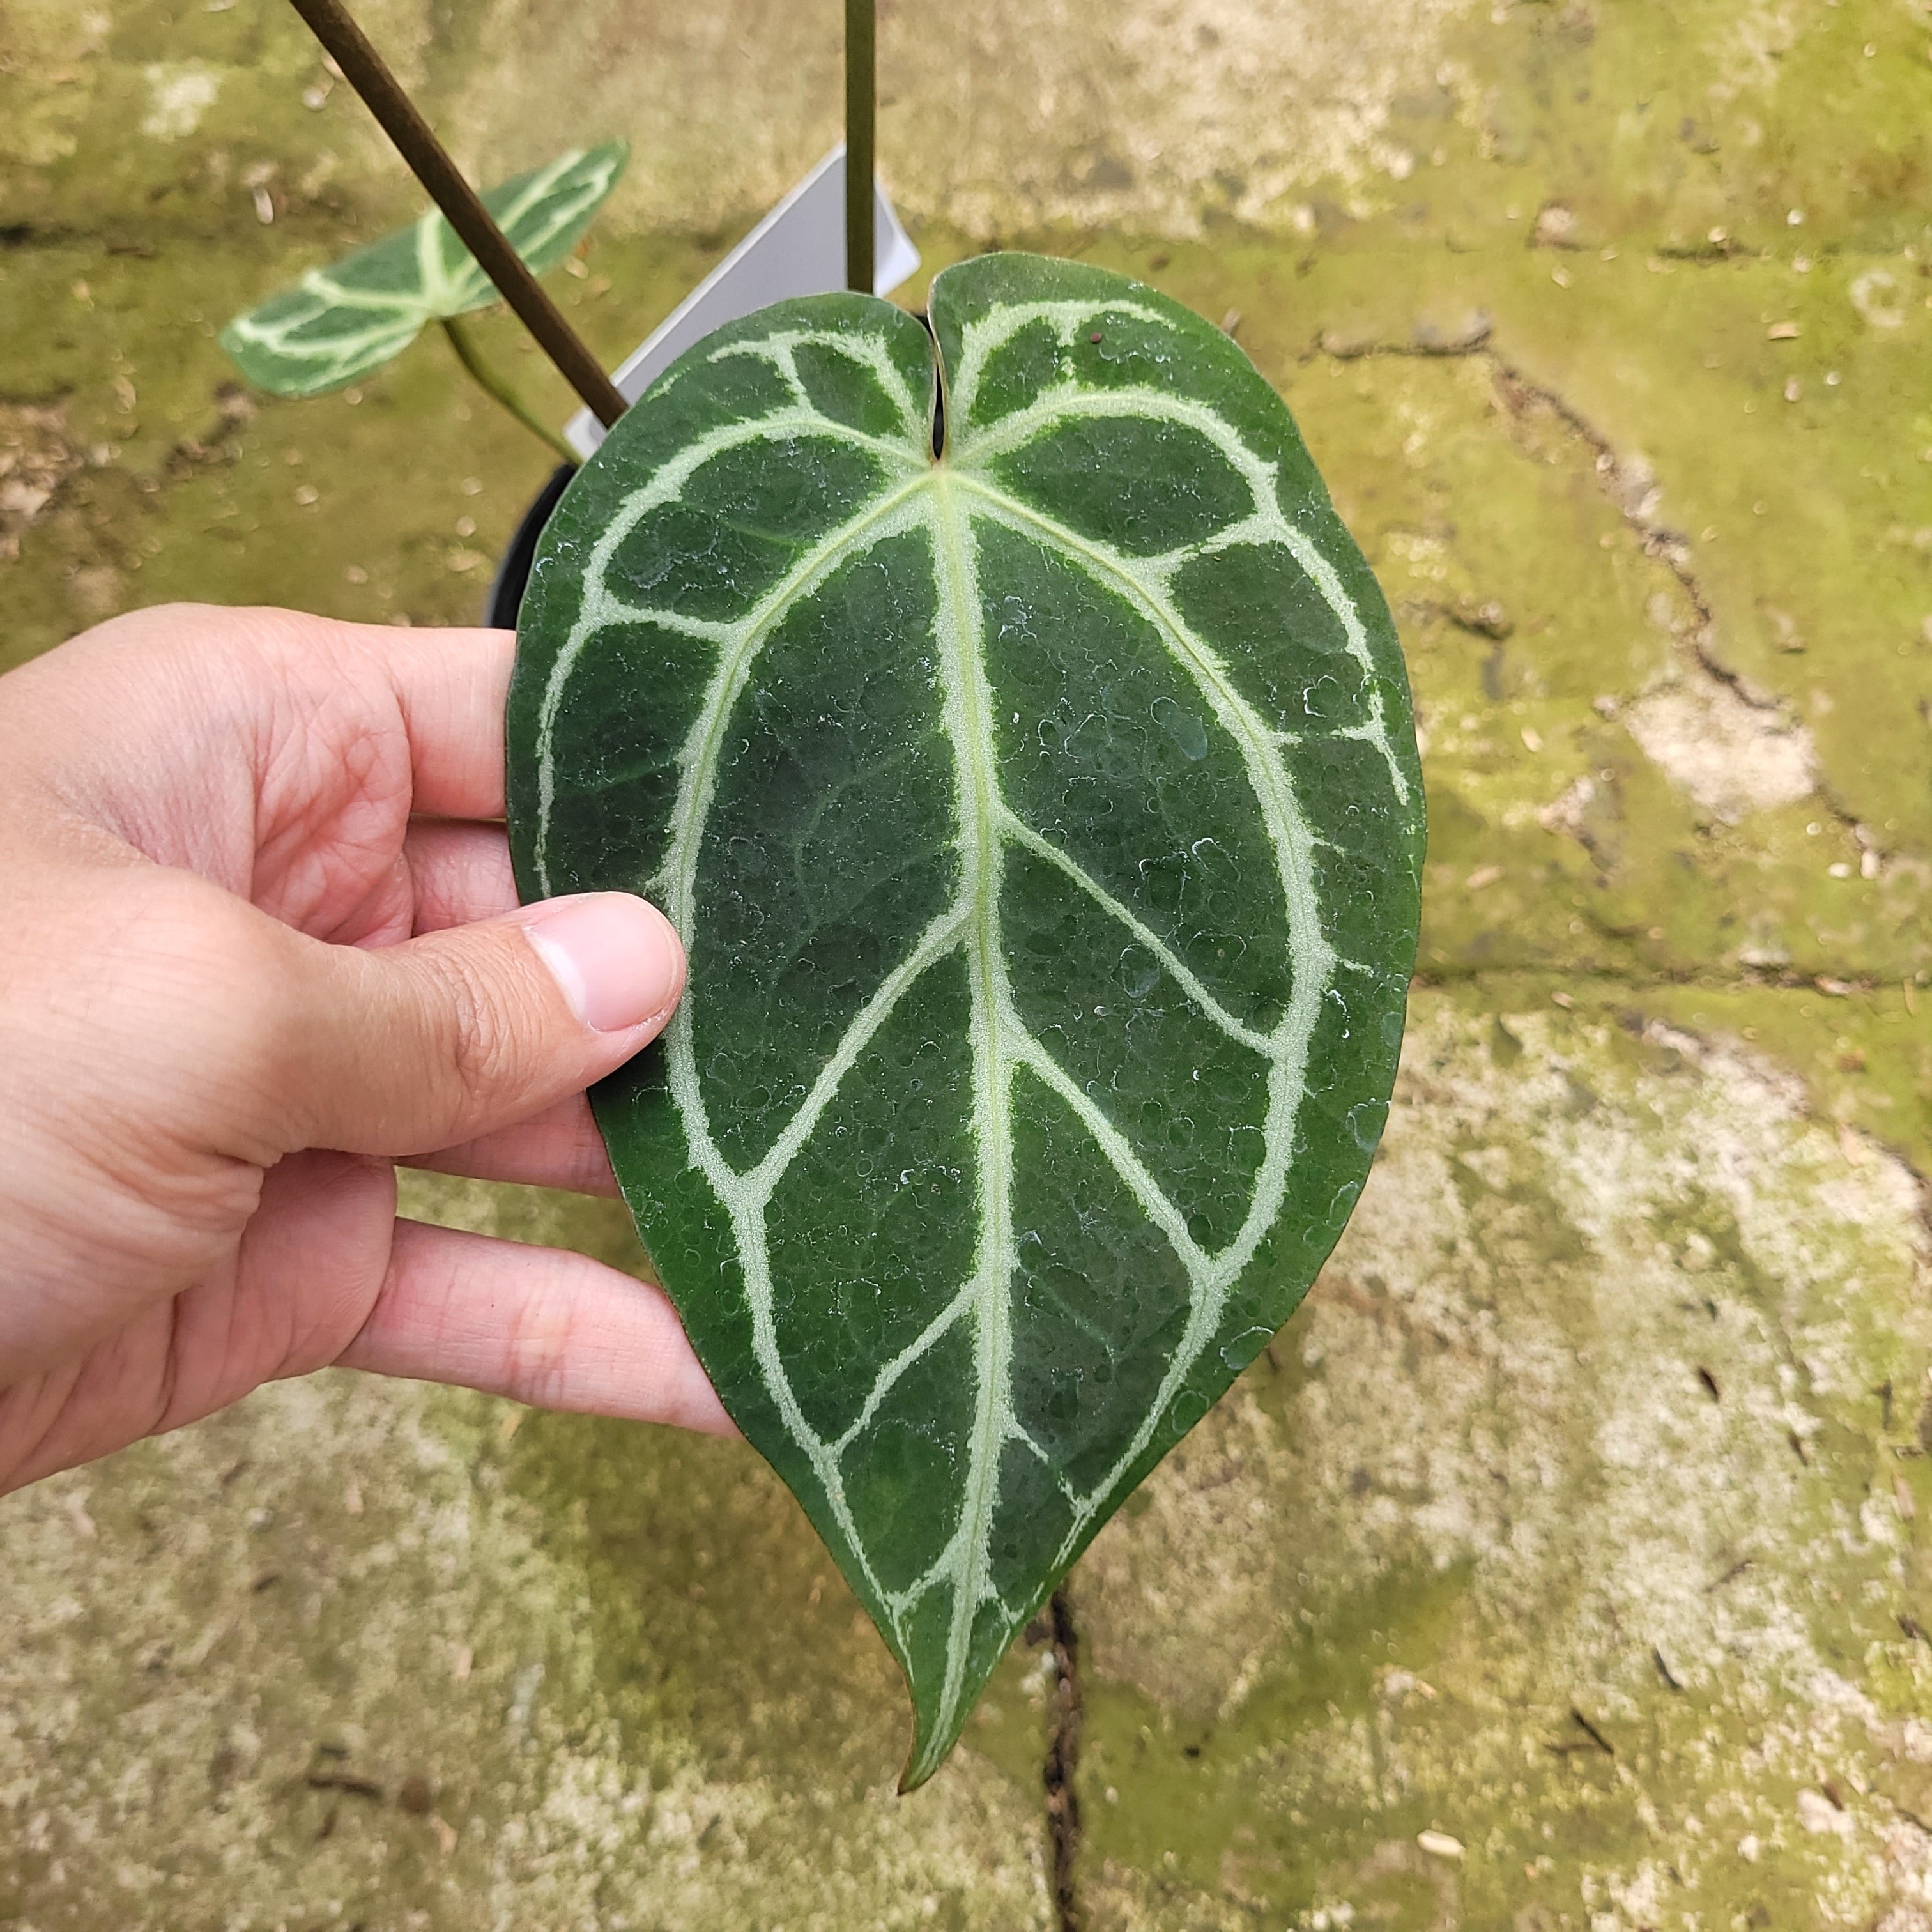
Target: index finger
{"x": 193, "y": 732}
{"x": 539, "y": 1324}
{"x": 451, "y": 685}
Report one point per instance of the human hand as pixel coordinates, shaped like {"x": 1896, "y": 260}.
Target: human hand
{"x": 262, "y": 943}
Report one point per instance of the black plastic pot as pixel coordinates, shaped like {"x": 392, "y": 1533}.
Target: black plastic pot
{"x": 513, "y": 574}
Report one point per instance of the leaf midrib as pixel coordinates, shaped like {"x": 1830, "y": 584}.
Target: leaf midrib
{"x": 981, "y": 812}
{"x": 982, "y": 857}
{"x": 973, "y": 917}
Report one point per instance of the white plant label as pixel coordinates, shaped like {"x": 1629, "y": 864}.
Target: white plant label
{"x": 798, "y": 249}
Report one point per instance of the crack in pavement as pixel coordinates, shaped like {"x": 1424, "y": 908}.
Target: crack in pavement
{"x": 1748, "y": 979}
{"x": 1631, "y": 487}
{"x": 1063, "y": 1761}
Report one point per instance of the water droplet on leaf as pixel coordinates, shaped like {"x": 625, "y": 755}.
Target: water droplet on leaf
{"x": 1186, "y": 730}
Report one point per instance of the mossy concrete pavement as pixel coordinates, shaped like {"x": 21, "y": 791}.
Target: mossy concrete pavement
{"x": 1564, "y": 1563}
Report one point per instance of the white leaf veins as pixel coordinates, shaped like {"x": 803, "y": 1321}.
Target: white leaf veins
{"x": 949, "y": 499}
{"x": 432, "y": 275}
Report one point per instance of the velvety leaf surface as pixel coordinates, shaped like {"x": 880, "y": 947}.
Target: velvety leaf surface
{"x": 1044, "y": 822}
{"x": 340, "y": 322}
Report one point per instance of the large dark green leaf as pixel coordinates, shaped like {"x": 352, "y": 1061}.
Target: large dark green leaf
{"x": 340, "y": 322}
{"x": 1044, "y": 823}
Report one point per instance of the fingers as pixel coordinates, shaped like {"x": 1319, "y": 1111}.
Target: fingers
{"x": 448, "y": 686}
{"x": 559, "y": 1148}
{"x": 459, "y": 873}
{"x": 199, "y": 689}
{"x": 451, "y": 685}
{"x": 448, "y": 1038}
{"x": 545, "y": 1327}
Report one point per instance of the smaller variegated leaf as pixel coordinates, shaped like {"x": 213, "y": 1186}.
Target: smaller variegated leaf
{"x": 340, "y": 322}
{"x": 1043, "y": 819}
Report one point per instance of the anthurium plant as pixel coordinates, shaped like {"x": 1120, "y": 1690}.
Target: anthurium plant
{"x": 339, "y": 324}
{"x": 1022, "y": 746}
{"x": 1000, "y": 710}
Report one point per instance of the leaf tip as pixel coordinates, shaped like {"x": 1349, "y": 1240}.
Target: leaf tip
{"x": 925, "y": 1759}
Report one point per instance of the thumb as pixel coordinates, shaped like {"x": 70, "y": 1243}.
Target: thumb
{"x": 406, "y": 1049}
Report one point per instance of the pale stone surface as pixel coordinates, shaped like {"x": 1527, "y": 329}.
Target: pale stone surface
{"x": 994, "y": 117}
{"x": 1610, "y": 1403}
{"x": 1733, "y": 757}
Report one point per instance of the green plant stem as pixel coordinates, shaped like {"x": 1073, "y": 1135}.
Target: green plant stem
{"x": 861, "y": 94}
{"x": 493, "y": 386}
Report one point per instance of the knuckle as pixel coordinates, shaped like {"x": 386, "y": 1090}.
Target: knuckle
{"x": 543, "y": 1346}
{"x": 478, "y": 1046}
{"x": 240, "y": 960}
{"x": 243, "y": 1030}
